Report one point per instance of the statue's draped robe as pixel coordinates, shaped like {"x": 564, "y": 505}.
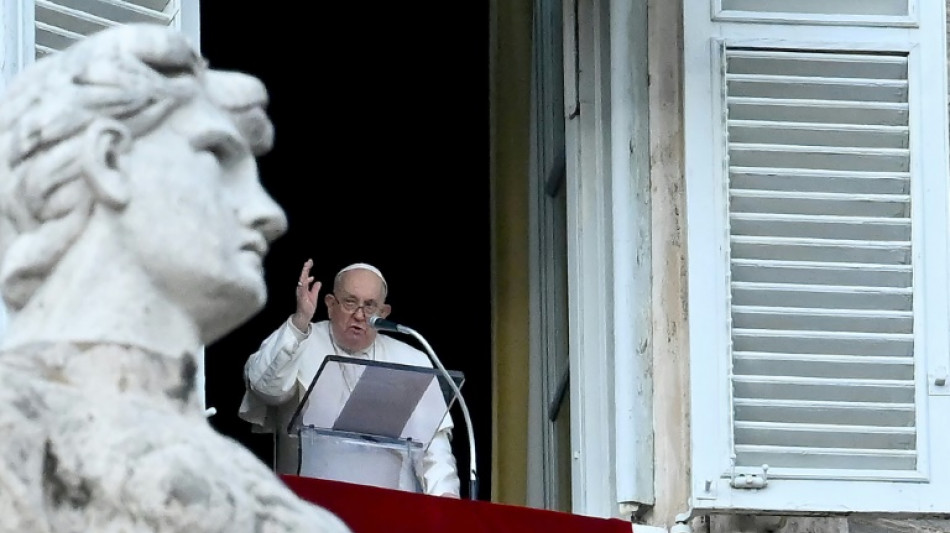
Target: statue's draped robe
{"x": 109, "y": 438}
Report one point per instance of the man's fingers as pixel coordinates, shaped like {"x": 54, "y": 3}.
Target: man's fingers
{"x": 305, "y": 277}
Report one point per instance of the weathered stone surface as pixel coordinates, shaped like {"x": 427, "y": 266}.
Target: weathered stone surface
{"x": 771, "y": 524}
{"x": 881, "y": 525}
{"x": 133, "y": 228}
{"x": 776, "y": 524}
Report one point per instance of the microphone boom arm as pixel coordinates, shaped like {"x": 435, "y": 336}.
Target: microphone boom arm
{"x": 386, "y": 325}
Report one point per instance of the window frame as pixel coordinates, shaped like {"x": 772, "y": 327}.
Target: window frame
{"x": 16, "y": 30}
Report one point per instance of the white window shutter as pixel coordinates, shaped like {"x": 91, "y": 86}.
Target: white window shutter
{"x": 34, "y": 28}
{"x": 817, "y": 219}
{"x": 60, "y": 23}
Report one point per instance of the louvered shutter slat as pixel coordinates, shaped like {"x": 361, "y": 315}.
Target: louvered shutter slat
{"x": 820, "y": 89}
{"x": 815, "y": 134}
{"x": 60, "y": 23}
{"x": 825, "y": 436}
{"x": 154, "y": 5}
{"x": 819, "y": 157}
{"x": 54, "y": 37}
{"x": 855, "y": 204}
{"x": 763, "y": 62}
{"x": 820, "y": 252}
{"x": 815, "y": 250}
{"x": 802, "y": 272}
{"x": 825, "y": 181}
{"x": 819, "y": 343}
{"x": 816, "y": 320}
{"x": 823, "y": 389}
{"x": 824, "y": 412}
{"x": 848, "y": 228}
{"x": 815, "y": 111}
{"x": 50, "y": 15}
{"x": 831, "y": 366}
{"x": 841, "y": 461}
{"x": 119, "y": 11}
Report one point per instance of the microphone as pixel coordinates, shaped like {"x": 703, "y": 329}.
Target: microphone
{"x": 382, "y": 324}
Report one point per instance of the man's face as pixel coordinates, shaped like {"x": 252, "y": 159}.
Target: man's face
{"x": 362, "y": 290}
{"x": 198, "y": 219}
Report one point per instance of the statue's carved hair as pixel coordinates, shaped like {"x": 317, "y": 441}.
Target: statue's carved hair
{"x": 133, "y": 76}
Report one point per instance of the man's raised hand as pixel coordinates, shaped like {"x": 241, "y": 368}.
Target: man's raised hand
{"x": 306, "y": 298}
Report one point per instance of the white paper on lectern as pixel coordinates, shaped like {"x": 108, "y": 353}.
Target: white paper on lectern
{"x": 405, "y": 403}
{"x": 430, "y": 412}
{"x": 383, "y": 401}
{"x": 328, "y": 396}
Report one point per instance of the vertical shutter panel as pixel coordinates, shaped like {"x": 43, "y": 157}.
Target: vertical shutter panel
{"x": 60, "y": 23}
{"x": 821, "y": 274}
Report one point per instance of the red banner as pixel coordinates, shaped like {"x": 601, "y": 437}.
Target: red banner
{"x": 370, "y": 509}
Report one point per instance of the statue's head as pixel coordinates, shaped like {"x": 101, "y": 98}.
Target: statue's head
{"x": 129, "y": 135}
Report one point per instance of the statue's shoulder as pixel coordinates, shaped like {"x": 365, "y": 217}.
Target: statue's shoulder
{"x": 68, "y": 458}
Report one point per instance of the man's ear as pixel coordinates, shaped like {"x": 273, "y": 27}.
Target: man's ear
{"x": 327, "y": 300}
{"x": 103, "y": 142}
{"x": 385, "y": 310}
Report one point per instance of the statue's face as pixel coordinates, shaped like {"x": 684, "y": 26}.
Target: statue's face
{"x": 198, "y": 219}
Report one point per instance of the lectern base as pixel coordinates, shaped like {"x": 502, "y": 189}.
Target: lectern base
{"x": 360, "y": 459}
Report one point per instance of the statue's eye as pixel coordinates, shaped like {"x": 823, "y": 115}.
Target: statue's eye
{"x": 221, "y": 152}
{"x": 224, "y": 147}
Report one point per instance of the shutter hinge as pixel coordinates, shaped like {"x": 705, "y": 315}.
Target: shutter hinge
{"x": 758, "y": 480}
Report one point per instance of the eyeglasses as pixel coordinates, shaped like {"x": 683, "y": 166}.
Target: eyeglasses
{"x": 351, "y": 305}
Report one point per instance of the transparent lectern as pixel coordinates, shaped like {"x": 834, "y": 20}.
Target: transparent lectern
{"x": 369, "y": 422}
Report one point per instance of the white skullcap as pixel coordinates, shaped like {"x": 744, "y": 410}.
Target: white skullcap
{"x": 365, "y": 266}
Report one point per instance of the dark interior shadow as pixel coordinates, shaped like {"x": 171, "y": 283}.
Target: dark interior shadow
{"x": 381, "y": 155}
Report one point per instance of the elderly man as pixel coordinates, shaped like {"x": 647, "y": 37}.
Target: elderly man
{"x": 279, "y": 373}
{"x": 133, "y": 228}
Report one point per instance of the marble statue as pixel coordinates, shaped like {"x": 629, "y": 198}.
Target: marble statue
{"x": 132, "y": 232}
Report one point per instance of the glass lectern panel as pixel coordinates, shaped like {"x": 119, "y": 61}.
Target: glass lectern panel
{"x": 377, "y": 398}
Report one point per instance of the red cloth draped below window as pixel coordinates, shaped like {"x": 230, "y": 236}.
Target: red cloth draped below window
{"x": 370, "y": 509}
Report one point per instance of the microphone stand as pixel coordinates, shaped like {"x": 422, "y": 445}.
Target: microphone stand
{"x": 473, "y": 471}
